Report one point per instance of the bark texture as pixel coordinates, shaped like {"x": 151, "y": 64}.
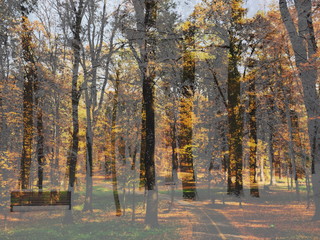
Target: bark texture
{"x": 303, "y": 42}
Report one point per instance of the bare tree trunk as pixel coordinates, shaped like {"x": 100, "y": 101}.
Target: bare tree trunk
{"x": 174, "y": 154}
{"x": 292, "y": 152}
{"x": 304, "y": 46}
{"x": 271, "y": 156}
{"x": 55, "y": 167}
{"x": 113, "y": 148}
{"x": 89, "y": 149}
{"x": 92, "y": 107}
{"x": 89, "y": 169}
{"x": 75, "y": 97}
{"x": 308, "y": 187}
{"x": 133, "y": 168}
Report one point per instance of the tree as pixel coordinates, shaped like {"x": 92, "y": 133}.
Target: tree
{"x": 31, "y": 76}
{"x": 73, "y": 15}
{"x": 302, "y": 38}
{"x": 186, "y": 111}
{"x": 148, "y": 104}
{"x": 253, "y": 140}
{"x": 146, "y": 14}
{"x": 113, "y": 145}
{"x": 75, "y": 27}
{"x": 145, "y": 36}
{"x": 95, "y": 35}
{"x": 234, "y": 108}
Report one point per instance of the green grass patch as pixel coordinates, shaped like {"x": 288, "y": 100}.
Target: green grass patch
{"x": 119, "y": 229}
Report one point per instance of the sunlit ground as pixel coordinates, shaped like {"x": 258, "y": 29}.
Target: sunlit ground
{"x": 275, "y": 215}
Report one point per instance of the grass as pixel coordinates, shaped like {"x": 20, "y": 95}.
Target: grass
{"x": 100, "y": 224}
{"x": 119, "y": 229}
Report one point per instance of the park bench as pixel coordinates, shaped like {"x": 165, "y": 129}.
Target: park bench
{"x": 169, "y": 183}
{"x": 41, "y": 198}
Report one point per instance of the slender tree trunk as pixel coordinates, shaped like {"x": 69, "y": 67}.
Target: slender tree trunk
{"x": 92, "y": 107}
{"x": 75, "y": 97}
{"x": 89, "y": 171}
{"x": 3, "y": 126}
{"x": 174, "y": 154}
{"x": 113, "y": 149}
{"x": 254, "y": 187}
{"x": 89, "y": 152}
{"x": 292, "y": 152}
{"x": 133, "y": 168}
{"x": 124, "y": 204}
{"x": 270, "y": 147}
{"x": 288, "y": 174}
{"x": 307, "y": 179}
{"x": 55, "y": 167}
{"x": 271, "y": 156}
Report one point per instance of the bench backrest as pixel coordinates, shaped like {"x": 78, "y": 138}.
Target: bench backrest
{"x": 31, "y": 198}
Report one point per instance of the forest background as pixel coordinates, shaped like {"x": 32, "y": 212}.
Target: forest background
{"x": 225, "y": 97}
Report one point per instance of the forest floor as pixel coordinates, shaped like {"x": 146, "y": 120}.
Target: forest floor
{"x": 275, "y": 215}
{"x": 253, "y": 220}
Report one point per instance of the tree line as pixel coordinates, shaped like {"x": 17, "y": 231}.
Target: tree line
{"x": 135, "y": 91}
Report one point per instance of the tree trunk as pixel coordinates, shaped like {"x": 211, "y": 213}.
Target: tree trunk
{"x": 271, "y": 156}
{"x": 235, "y": 118}
{"x": 142, "y": 182}
{"x": 113, "y": 148}
{"x": 304, "y": 46}
{"x": 148, "y": 98}
{"x": 146, "y": 14}
{"x": 89, "y": 170}
{"x": 89, "y": 149}
{"x": 133, "y": 168}
{"x": 174, "y": 154}
{"x": 75, "y": 97}
{"x": 40, "y": 145}
{"x": 291, "y": 151}
{"x": 40, "y": 135}
{"x": 28, "y": 92}
{"x": 254, "y": 187}
{"x": 186, "y": 119}
{"x": 55, "y": 176}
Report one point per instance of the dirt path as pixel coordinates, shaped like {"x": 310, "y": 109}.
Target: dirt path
{"x": 201, "y": 219}
{"x": 207, "y": 223}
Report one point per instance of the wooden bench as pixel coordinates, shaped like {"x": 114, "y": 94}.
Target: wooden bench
{"x": 169, "y": 183}
{"x": 31, "y": 198}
